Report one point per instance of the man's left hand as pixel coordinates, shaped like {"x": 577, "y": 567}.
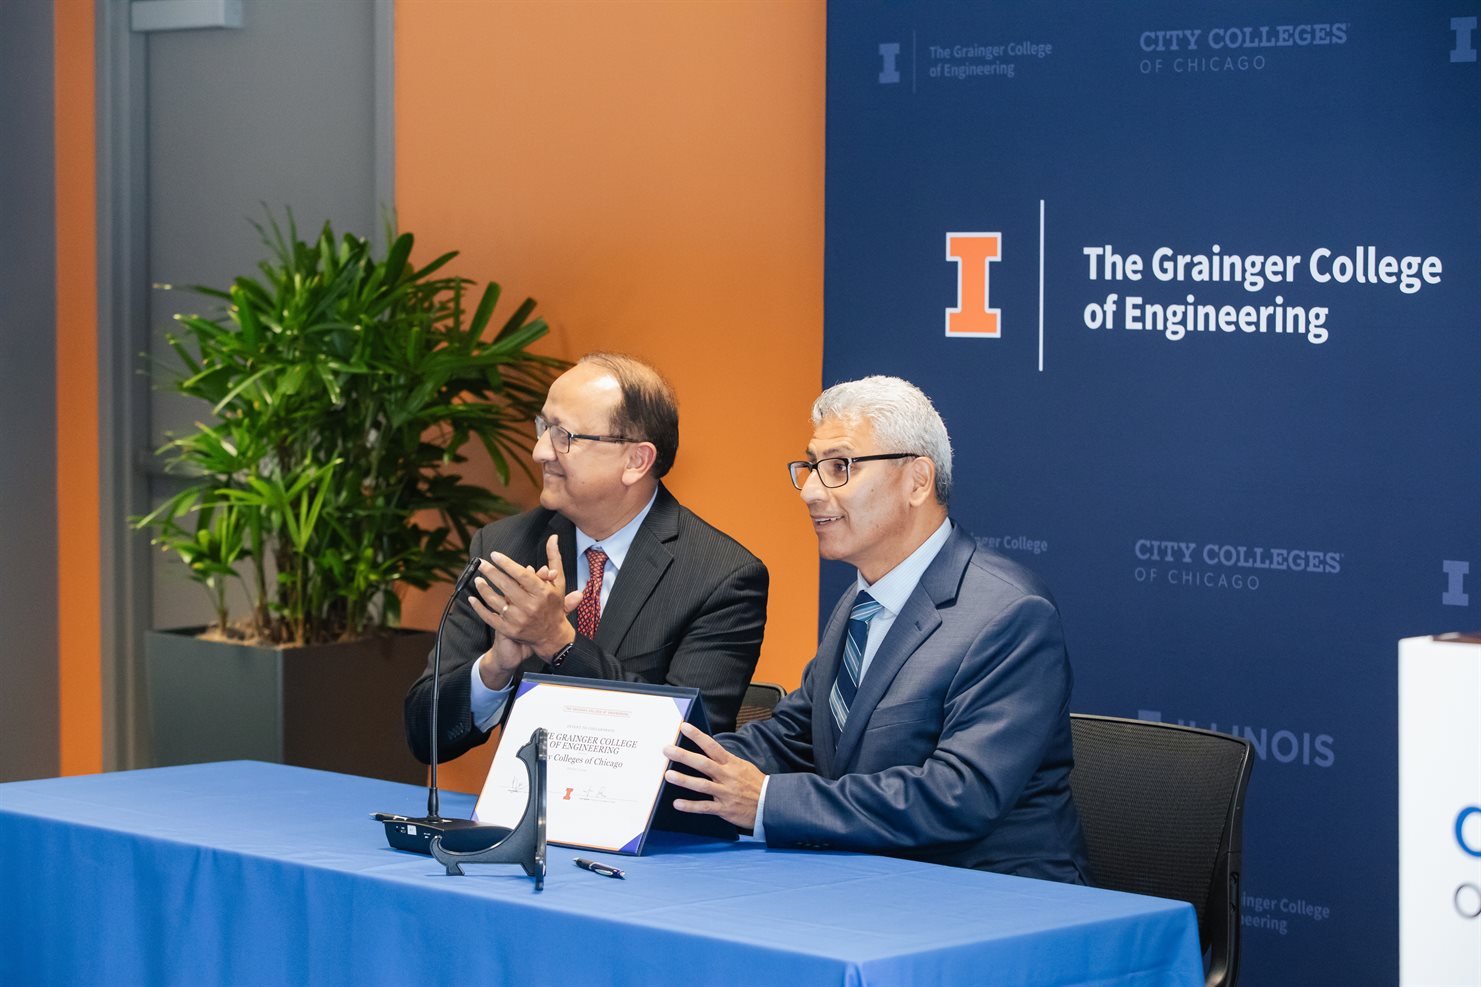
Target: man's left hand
{"x": 733, "y": 783}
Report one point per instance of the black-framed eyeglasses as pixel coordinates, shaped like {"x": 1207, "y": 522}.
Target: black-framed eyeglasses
{"x": 561, "y": 438}
{"x": 836, "y": 470}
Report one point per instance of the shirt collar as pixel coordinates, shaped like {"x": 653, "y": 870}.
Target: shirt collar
{"x": 895, "y": 586}
{"x": 620, "y": 541}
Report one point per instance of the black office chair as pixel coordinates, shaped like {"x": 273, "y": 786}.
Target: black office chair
{"x": 758, "y": 701}
{"x": 1162, "y": 806}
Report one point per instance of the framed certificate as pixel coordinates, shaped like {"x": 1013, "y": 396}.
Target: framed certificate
{"x": 605, "y": 763}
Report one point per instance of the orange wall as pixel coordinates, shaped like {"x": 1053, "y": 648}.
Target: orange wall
{"x": 79, "y": 531}
{"x": 652, "y": 173}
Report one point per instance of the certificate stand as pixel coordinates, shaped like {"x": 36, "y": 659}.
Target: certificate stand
{"x": 523, "y": 845}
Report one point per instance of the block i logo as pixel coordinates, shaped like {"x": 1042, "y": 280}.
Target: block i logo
{"x": 889, "y": 72}
{"x": 1455, "y": 594}
{"x": 1463, "y": 28}
{"x": 973, "y": 316}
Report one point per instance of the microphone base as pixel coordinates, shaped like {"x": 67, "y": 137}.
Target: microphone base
{"x": 415, "y": 834}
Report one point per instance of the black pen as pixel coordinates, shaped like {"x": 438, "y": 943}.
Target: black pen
{"x": 596, "y": 868}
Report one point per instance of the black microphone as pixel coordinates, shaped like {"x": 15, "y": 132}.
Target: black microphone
{"x": 410, "y": 833}
{"x": 463, "y": 580}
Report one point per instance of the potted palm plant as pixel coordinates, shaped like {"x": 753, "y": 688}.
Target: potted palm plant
{"x": 341, "y": 387}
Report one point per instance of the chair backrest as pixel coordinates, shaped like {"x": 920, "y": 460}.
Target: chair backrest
{"x": 1162, "y": 807}
{"x": 757, "y": 704}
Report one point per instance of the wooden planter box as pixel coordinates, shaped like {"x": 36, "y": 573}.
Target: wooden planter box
{"x": 331, "y": 706}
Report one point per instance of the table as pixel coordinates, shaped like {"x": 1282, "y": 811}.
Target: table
{"x": 248, "y": 873}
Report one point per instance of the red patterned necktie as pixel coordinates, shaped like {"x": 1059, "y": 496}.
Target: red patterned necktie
{"x": 589, "y": 611}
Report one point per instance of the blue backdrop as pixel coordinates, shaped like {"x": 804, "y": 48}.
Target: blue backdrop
{"x": 1232, "y": 408}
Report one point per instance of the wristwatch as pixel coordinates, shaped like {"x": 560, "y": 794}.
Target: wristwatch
{"x": 557, "y": 659}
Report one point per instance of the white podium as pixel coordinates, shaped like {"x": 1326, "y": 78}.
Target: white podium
{"x": 1440, "y": 811}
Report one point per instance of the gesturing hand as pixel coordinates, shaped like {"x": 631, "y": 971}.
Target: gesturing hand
{"x": 732, "y": 782}
{"x": 526, "y": 605}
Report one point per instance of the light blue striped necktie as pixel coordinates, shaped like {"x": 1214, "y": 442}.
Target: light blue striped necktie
{"x": 851, "y": 669}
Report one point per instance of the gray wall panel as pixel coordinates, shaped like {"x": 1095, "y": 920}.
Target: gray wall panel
{"x": 280, "y": 112}
{"x": 28, "y": 462}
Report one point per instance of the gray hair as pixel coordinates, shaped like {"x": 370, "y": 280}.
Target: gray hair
{"x": 903, "y": 419}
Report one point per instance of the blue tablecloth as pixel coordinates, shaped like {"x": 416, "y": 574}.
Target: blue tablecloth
{"x": 246, "y": 873}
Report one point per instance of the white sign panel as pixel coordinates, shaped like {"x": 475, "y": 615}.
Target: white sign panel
{"x": 1440, "y": 811}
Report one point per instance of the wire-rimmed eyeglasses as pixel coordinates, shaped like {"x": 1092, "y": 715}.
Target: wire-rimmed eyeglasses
{"x": 561, "y": 438}
{"x": 836, "y": 470}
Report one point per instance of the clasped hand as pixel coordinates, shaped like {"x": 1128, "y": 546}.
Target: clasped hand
{"x": 525, "y": 607}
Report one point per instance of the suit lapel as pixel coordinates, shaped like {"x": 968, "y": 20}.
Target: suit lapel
{"x": 914, "y": 625}
{"x": 647, "y": 560}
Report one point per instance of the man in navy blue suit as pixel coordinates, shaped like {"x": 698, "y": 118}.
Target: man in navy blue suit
{"x": 933, "y": 722}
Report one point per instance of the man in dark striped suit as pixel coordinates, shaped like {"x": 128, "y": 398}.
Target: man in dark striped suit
{"x": 610, "y": 577}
